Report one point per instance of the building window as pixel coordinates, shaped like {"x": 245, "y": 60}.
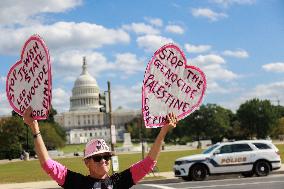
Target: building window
{"x": 91, "y": 134}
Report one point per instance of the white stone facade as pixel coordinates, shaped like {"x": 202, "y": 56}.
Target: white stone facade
{"x": 84, "y": 121}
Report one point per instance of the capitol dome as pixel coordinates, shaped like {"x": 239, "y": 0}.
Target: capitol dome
{"x": 85, "y": 93}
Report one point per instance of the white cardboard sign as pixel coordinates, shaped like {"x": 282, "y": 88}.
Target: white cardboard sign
{"x": 170, "y": 85}
{"x": 29, "y": 80}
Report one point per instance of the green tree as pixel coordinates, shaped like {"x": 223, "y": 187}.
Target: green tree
{"x": 12, "y": 137}
{"x": 278, "y": 129}
{"x": 209, "y": 122}
{"x": 51, "y": 137}
{"x": 257, "y": 118}
{"x": 133, "y": 127}
{"x": 16, "y": 137}
{"x": 217, "y": 122}
{"x": 138, "y": 131}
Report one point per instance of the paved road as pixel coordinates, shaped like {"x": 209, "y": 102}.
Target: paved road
{"x": 270, "y": 182}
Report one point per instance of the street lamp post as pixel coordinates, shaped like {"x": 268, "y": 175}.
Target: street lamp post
{"x": 109, "y": 114}
{"x": 140, "y": 122}
{"x": 27, "y": 142}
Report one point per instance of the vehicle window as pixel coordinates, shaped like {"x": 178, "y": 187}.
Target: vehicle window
{"x": 207, "y": 151}
{"x": 225, "y": 149}
{"x": 241, "y": 148}
{"x": 262, "y": 146}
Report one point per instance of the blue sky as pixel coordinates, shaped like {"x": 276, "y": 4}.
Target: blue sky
{"x": 237, "y": 43}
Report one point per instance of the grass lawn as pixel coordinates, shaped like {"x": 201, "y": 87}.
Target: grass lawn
{"x": 281, "y": 149}
{"x": 27, "y": 171}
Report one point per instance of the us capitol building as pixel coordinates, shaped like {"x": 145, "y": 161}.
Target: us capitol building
{"x": 84, "y": 121}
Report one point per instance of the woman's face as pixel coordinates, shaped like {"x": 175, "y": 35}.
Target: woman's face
{"x": 99, "y": 165}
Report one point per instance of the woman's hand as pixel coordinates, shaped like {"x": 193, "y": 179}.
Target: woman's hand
{"x": 172, "y": 120}
{"x": 29, "y": 120}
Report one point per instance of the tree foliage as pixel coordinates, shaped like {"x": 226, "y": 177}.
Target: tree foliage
{"x": 254, "y": 118}
{"x": 278, "y": 130}
{"x": 15, "y": 136}
{"x": 257, "y": 118}
{"x": 12, "y": 137}
{"x": 52, "y": 138}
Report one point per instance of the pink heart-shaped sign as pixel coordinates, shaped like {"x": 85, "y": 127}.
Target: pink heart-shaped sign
{"x": 29, "y": 80}
{"x": 170, "y": 85}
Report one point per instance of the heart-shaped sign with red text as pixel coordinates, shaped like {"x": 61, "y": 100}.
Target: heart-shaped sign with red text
{"x": 29, "y": 80}
{"x": 170, "y": 85}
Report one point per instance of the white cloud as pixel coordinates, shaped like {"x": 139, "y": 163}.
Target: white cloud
{"x": 155, "y": 21}
{"x": 268, "y": 91}
{"x": 62, "y": 36}
{"x": 67, "y": 65}
{"x": 271, "y": 91}
{"x": 207, "y": 59}
{"x": 227, "y": 3}
{"x": 174, "y": 29}
{"x": 217, "y": 75}
{"x": 214, "y": 87}
{"x": 60, "y": 99}
{"x": 2, "y": 79}
{"x": 237, "y": 53}
{"x": 141, "y": 28}
{"x": 277, "y": 67}
{"x": 129, "y": 63}
{"x": 196, "y": 48}
{"x": 152, "y": 42}
{"x": 25, "y": 12}
{"x": 127, "y": 97}
{"x": 217, "y": 72}
{"x": 208, "y": 13}
{"x": 5, "y": 108}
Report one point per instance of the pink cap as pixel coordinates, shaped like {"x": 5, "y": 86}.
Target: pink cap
{"x": 96, "y": 146}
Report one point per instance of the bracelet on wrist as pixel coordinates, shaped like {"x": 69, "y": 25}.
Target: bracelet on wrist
{"x": 35, "y": 135}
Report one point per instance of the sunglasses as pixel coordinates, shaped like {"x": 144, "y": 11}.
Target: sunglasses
{"x": 99, "y": 158}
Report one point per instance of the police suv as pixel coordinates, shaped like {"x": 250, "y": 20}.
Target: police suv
{"x": 248, "y": 157}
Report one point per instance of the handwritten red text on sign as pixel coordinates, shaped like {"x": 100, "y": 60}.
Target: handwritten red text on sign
{"x": 170, "y": 86}
{"x": 29, "y": 80}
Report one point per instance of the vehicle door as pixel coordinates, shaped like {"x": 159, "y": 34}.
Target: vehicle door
{"x": 234, "y": 158}
{"x": 244, "y": 156}
{"x": 219, "y": 157}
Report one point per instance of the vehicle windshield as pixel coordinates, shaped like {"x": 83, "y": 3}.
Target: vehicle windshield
{"x": 208, "y": 150}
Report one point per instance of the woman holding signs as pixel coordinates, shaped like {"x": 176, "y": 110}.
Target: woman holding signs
{"x": 96, "y": 158}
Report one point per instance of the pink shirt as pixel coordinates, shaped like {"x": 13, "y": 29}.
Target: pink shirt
{"x": 138, "y": 170}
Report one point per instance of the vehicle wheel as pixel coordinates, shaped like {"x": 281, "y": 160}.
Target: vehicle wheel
{"x": 262, "y": 168}
{"x": 187, "y": 178}
{"x": 198, "y": 172}
{"x": 248, "y": 174}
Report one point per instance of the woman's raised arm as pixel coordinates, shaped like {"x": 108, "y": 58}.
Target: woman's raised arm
{"x": 40, "y": 148}
{"x": 156, "y": 148}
